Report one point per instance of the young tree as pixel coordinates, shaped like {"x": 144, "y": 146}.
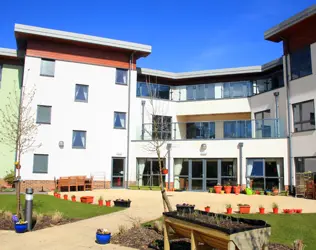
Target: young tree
{"x": 18, "y": 129}
{"x": 159, "y": 133}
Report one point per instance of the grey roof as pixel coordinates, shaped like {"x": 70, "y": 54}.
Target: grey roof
{"x": 32, "y": 30}
{"x": 8, "y": 52}
{"x": 291, "y": 21}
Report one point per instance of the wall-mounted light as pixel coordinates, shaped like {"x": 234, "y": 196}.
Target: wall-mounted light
{"x": 276, "y": 93}
{"x": 143, "y": 102}
{"x": 61, "y": 144}
{"x": 203, "y": 147}
{"x": 169, "y": 146}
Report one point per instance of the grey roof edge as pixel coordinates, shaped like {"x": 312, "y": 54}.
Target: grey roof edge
{"x": 290, "y": 21}
{"x": 81, "y": 38}
{"x": 8, "y": 52}
{"x": 206, "y": 73}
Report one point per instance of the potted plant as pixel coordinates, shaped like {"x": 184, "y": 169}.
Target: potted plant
{"x": 275, "y": 208}
{"x": 257, "y": 192}
{"x": 185, "y": 208}
{"x": 58, "y": 195}
{"x": 268, "y": 193}
{"x": 211, "y": 190}
{"x": 229, "y": 209}
{"x": 261, "y": 192}
{"x": 20, "y": 226}
{"x": 244, "y": 208}
{"x": 73, "y": 198}
{"x": 86, "y": 199}
{"x": 103, "y": 236}
{"x": 108, "y": 203}
{"x": 15, "y": 218}
{"x": 227, "y": 188}
{"x": 65, "y": 196}
{"x": 288, "y": 211}
{"x": 261, "y": 209}
{"x": 207, "y": 209}
{"x": 236, "y": 189}
{"x": 100, "y": 201}
{"x": 298, "y": 211}
{"x": 122, "y": 203}
{"x": 218, "y": 188}
{"x": 275, "y": 190}
{"x": 55, "y": 192}
{"x": 164, "y": 171}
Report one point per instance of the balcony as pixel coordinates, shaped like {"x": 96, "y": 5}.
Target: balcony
{"x": 213, "y": 130}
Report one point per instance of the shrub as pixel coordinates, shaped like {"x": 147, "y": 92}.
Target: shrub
{"x": 9, "y": 177}
{"x": 122, "y": 229}
{"x": 7, "y": 215}
{"x": 57, "y": 217}
{"x": 38, "y": 217}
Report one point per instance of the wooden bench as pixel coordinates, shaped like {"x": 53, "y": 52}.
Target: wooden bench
{"x": 75, "y": 181}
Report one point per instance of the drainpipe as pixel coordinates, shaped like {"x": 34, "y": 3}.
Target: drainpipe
{"x": 240, "y": 146}
{"x": 128, "y": 116}
{"x": 143, "y": 118}
{"x": 276, "y": 96}
{"x": 169, "y": 162}
{"x": 289, "y": 122}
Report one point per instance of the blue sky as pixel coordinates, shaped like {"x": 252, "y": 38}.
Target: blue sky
{"x": 185, "y": 35}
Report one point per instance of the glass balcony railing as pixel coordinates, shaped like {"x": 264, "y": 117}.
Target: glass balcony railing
{"x": 211, "y": 130}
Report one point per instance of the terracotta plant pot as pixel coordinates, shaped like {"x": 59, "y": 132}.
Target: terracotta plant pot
{"x": 298, "y": 211}
{"x": 87, "y": 199}
{"x": 55, "y": 194}
{"x": 66, "y": 197}
{"x": 165, "y": 171}
{"x": 207, "y": 209}
{"x": 108, "y": 203}
{"x": 275, "y": 192}
{"x": 261, "y": 210}
{"x": 244, "y": 209}
{"x": 73, "y": 199}
{"x": 218, "y": 189}
{"x": 236, "y": 189}
{"x": 100, "y": 202}
{"x": 229, "y": 210}
{"x": 228, "y": 189}
{"x": 58, "y": 196}
{"x": 275, "y": 210}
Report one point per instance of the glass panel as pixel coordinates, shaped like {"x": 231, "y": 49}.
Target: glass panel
{"x": 299, "y": 165}
{"x": 118, "y": 167}
{"x": 271, "y": 169}
{"x": 310, "y": 164}
{"x": 257, "y": 168}
{"x": 121, "y": 76}
{"x": 301, "y": 63}
{"x": 81, "y": 92}
{"x": 228, "y": 168}
{"x": 197, "y": 169}
{"x": 47, "y": 67}
{"x": 308, "y": 111}
{"x": 164, "y": 91}
{"x": 40, "y": 163}
{"x": 190, "y": 92}
{"x": 79, "y": 139}
{"x": 119, "y": 120}
{"x": 226, "y": 90}
{"x": 147, "y": 170}
{"x": 144, "y": 180}
{"x": 155, "y": 180}
{"x": 197, "y": 184}
{"x": 229, "y": 181}
{"x": 117, "y": 181}
{"x": 200, "y": 92}
{"x": 272, "y": 182}
{"x": 155, "y": 167}
{"x": 43, "y": 114}
{"x": 256, "y": 183}
{"x": 307, "y": 126}
{"x": 210, "y": 183}
{"x": 184, "y": 183}
{"x": 185, "y": 168}
{"x": 210, "y": 91}
{"x": 191, "y": 130}
{"x": 211, "y": 169}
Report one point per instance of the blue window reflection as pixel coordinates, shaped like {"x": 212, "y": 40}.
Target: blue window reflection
{"x": 153, "y": 90}
{"x": 237, "y": 129}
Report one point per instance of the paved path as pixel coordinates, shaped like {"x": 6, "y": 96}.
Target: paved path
{"x": 145, "y": 205}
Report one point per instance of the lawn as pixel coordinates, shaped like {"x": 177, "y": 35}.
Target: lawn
{"x": 287, "y": 227}
{"x": 47, "y": 204}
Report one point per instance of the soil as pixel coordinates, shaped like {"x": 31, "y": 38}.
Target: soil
{"x": 147, "y": 238}
{"x": 6, "y": 224}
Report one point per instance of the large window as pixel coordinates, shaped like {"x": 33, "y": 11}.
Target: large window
{"x": 148, "y": 173}
{"x": 161, "y": 127}
{"x": 47, "y": 67}
{"x": 264, "y": 124}
{"x": 304, "y": 116}
{"x": 40, "y": 163}
{"x": 301, "y": 63}
{"x": 121, "y": 76}
{"x": 43, "y": 114}
{"x": 237, "y": 129}
{"x": 79, "y": 139}
{"x": 153, "y": 90}
{"x": 120, "y": 120}
{"x": 81, "y": 93}
{"x": 200, "y": 130}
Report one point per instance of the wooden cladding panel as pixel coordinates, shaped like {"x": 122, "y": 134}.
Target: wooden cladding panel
{"x": 215, "y": 117}
{"x": 75, "y": 53}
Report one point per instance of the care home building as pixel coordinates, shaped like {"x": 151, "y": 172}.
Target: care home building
{"x": 250, "y": 126}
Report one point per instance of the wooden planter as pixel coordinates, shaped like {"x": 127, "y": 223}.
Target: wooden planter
{"x": 256, "y": 236}
{"x": 87, "y": 199}
{"x": 244, "y": 209}
{"x": 122, "y": 203}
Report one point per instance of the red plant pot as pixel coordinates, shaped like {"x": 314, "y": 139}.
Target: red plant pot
{"x": 236, "y": 189}
{"x": 55, "y": 194}
{"x": 275, "y": 192}
{"x": 108, "y": 203}
{"x": 87, "y": 199}
{"x": 288, "y": 211}
{"x": 275, "y": 210}
{"x": 165, "y": 171}
{"x": 58, "y": 196}
{"x": 244, "y": 209}
{"x": 228, "y": 189}
{"x": 218, "y": 189}
{"x": 261, "y": 210}
{"x": 73, "y": 199}
{"x": 207, "y": 209}
{"x": 298, "y": 211}
{"x": 65, "y": 197}
{"x": 257, "y": 192}
{"x": 101, "y": 203}
{"x": 229, "y": 210}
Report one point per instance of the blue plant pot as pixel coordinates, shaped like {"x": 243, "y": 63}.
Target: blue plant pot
{"x": 103, "y": 238}
{"x": 20, "y": 228}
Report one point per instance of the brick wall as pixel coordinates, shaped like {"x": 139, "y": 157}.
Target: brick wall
{"x": 37, "y": 185}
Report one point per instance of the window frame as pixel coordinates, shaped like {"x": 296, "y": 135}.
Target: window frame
{"x": 119, "y": 83}
{"x": 301, "y": 122}
{"x": 83, "y": 85}
{"x": 295, "y": 53}
{"x": 50, "y": 115}
{"x": 119, "y": 112}
{"x": 163, "y": 132}
{"x": 85, "y": 142}
{"x": 51, "y": 60}
{"x": 34, "y": 162}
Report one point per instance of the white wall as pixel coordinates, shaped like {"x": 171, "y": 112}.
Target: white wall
{"x": 96, "y": 117}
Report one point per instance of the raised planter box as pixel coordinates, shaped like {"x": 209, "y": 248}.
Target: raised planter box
{"x": 217, "y": 230}
{"x": 86, "y": 199}
{"x": 185, "y": 208}
{"x": 122, "y": 203}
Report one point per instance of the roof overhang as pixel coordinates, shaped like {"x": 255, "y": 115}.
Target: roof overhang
{"x": 10, "y": 54}
{"x": 287, "y": 27}
{"x": 25, "y": 32}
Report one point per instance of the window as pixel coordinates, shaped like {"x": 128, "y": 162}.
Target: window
{"x": 119, "y": 120}
{"x": 301, "y": 63}
{"x": 161, "y": 127}
{"x": 81, "y": 94}
{"x": 79, "y": 139}
{"x": 47, "y": 67}
{"x": 121, "y": 76}
{"x": 200, "y": 130}
{"x": 237, "y": 129}
{"x": 264, "y": 124}
{"x": 40, "y": 164}
{"x": 43, "y": 114}
{"x": 305, "y": 164}
{"x": 304, "y": 116}
{"x": 158, "y": 91}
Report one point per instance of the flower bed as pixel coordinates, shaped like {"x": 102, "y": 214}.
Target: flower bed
{"x": 185, "y": 208}
{"x": 122, "y": 203}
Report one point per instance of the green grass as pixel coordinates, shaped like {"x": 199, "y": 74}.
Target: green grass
{"x": 47, "y": 204}
{"x": 153, "y": 188}
{"x": 285, "y": 228}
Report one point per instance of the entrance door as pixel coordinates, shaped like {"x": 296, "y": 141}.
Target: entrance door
{"x": 155, "y": 173}
{"x": 118, "y": 172}
{"x": 197, "y": 174}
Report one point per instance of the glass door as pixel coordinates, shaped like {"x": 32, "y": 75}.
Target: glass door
{"x": 211, "y": 173}
{"x": 118, "y": 172}
{"x": 197, "y": 174}
{"x": 155, "y": 173}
